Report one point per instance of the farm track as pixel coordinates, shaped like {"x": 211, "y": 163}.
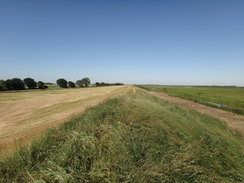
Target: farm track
{"x": 235, "y": 121}
{"x": 26, "y": 115}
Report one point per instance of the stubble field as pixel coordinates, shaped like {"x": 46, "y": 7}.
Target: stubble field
{"x": 27, "y": 114}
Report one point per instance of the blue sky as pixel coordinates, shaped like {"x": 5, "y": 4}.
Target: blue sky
{"x": 174, "y": 42}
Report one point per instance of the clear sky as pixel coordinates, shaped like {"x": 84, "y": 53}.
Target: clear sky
{"x": 169, "y": 42}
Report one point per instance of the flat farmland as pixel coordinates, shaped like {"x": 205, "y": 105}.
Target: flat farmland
{"x": 225, "y": 98}
{"x": 26, "y": 115}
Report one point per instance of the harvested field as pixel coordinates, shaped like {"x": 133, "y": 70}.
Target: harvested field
{"x": 26, "y": 115}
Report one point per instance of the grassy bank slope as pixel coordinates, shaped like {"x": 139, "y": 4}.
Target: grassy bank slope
{"x": 226, "y": 98}
{"x": 134, "y": 138}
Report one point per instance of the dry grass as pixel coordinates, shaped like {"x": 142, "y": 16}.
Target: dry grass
{"x": 27, "y": 114}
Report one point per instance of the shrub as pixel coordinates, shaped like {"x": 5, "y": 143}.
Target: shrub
{"x": 79, "y": 83}
{"x": 30, "y": 83}
{"x": 86, "y": 81}
{"x": 2, "y": 85}
{"x": 41, "y": 85}
{"x": 17, "y": 84}
{"x": 83, "y": 82}
{"x": 71, "y": 84}
{"x": 97, "y": 84}
{"x": 8, "y": 84}
{"x": 1, "y": 88}
{"x": 62, "y": 83}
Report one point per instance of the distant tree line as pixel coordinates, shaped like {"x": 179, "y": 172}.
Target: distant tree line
{"x": 85, "y": 82}
{"x": 107, "y": 84}
{"x": 62, "y": 83}
{"x": 18, "y": 84}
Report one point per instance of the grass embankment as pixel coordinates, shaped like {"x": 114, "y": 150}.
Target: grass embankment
{"x": 226, "y": 98}
{"x": 134, "y": 138}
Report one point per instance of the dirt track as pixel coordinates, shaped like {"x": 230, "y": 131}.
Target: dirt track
{"x": 25, "y": 115}
{"x": 233, "y": 120}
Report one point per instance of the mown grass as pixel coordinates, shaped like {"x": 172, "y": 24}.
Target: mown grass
{"x": 134, "y": 138}
{"x": 226, "y": 98}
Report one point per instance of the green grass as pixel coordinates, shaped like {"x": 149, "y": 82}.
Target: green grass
{"x": 53, "y": 86}
{"x": 134, "y": 138}
{"x": 229, "y": 98}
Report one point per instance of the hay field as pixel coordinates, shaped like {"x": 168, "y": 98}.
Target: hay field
{"x": 27, "y": 114}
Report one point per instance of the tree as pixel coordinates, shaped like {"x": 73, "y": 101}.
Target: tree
{"x": 97, "y": 84}
{"x": 79, "y": 82}
{"x": 30, "y": 83}
{"x": 62, "y": 83}
{"x": 17, "y": 84}
{"x": 71, "y": 84}
{"x": 41, "y": 85}
{"x": 8, "y": 84}
{"x": 1, "y": 88}
{"x": 102, "y": 84}
{"x": 86, "y": 81}
{"x": 2, "y": 85}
